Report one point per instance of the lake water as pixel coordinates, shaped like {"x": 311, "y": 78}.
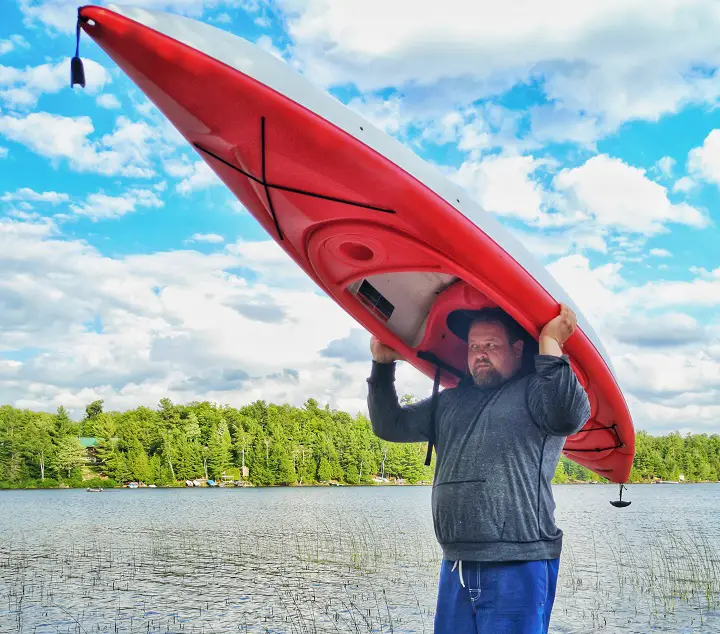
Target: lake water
{"x": 322, "y": 559}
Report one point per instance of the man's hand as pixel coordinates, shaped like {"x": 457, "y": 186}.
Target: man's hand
{"x": 382, "y": 353}
{"x": 557, "y": 331}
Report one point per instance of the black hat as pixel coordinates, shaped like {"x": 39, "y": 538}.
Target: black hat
{"x": 458, "y": 321}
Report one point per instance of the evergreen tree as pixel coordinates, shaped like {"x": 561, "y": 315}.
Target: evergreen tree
{"x": 69, "y": 456}
{"x": 279, "y": 444}
{"x": 219, "y": 454}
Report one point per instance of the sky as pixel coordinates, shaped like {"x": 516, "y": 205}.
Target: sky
{"x": 129, "y": 273}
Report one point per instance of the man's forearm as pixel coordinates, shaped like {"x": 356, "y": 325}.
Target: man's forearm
{"x": 550, "y": 346}
{"x": 389, "y": 420}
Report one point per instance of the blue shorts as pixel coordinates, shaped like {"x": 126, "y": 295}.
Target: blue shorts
{"x": 510, "y": 597}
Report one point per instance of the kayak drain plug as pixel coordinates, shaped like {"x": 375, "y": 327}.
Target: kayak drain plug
{"x": 620, "y": 503}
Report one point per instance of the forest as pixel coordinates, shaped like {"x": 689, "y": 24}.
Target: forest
{"x": 277, "y": 445}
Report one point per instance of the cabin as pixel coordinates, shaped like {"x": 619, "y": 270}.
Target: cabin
{"x": 90, "y": 446}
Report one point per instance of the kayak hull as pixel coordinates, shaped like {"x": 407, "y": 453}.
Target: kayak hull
{"x": 381, "y": 232}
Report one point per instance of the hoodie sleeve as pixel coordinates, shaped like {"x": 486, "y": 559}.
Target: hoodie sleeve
{"x": 557, "y": 401}
{"x": 390, "y": 421}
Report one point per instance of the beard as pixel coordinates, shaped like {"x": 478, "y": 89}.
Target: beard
{"x": 486, "y": 376}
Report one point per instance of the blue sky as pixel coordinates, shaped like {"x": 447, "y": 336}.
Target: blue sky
{"x": 589, "y": 129}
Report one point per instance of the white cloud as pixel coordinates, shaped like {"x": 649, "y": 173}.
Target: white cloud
{"x": 664, "y": 360}
{"x": 100, "y": 206}
{"x": 126, "y": 151}
{"x": 552, "y": 123}
{"x": 21, "y": 88}
{"x": 221, "y": 18}
{"x": 13, "y": 42}
{"x": 684, "y": 185}
{"x": 265, "y": 42}
{"x": 474, "y": 130}
{"x": 275, "y": 267}
{"x": 199, "y": 176}
{"x": 182, "y": 324}
{"x": 702, "y": 291}
{"x": 3, "y": 152}
{"x": 503, "y": 185}
{"x": 594, "y": 289}
{"x": 108, "y": 101}
{"x": 28, "y": 195}
{"x": 210, "y": 238}
{"x": 704, "y": 161}
{"x": 618, "y": 195}
{"x": 611, "y": 61}
{"x": 665, "y": 165}
{"x": 175, "y": 324}
{"x": 669, "y": 373}
{"x": 660, "y": 253}
{"x": 544, "y": 243}
{"x": 62, "y": 14}
{"x": 384, "y": 114}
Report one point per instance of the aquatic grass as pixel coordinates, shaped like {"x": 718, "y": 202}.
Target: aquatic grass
{"x": 345, "y": 573}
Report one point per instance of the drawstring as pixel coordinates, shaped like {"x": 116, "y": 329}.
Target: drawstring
{"x": 462, "y": 583}
{"x": 433, "y": 412}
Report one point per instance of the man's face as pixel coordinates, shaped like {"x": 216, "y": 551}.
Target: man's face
{"x": 492, "y": 360}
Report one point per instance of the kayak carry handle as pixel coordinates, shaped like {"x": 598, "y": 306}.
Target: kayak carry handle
{"x": 77, "y": 70}
{"x": 621, "y": 503}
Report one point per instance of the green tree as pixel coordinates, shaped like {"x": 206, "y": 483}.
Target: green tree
{"x": 37, "y": 442}
{"x": 560, "y": 476}
{"x": 324, "y": 472}
{"x": 69, "y": 456}
{"x": 138, "y": 463}
{"x": 219, "y": 451}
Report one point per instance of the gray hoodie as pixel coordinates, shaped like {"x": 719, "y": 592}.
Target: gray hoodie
{"x": 497, "y": 450}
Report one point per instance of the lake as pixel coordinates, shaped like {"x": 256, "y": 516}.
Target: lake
{"x": 333, "y": 559}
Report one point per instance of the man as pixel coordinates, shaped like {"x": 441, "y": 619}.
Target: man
{"x": 498, "y": 436}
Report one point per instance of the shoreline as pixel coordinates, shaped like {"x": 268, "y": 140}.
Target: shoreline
{"x": 322, "y": 486}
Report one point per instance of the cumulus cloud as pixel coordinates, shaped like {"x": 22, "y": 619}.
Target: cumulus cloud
{"x": 544, "y": 243}
{"x": 12, "y": 43}
{"x": 176, "y": 324}
{"x": 684, "y": 185}
{"x": 127, "y": 151}
{"x": 108, "y": 101}
{"x": 609, "y": 62}
{"x": 28, "y": 195}
{"x": 271, "y": 264}
{"x": 197, "y": 175}
{"x": 352, "y": 348}
{"x": 196, "y": 326}
{"x": 668, "y": 331}
{"x": 666, "y": 165}
{"x": 615, "y": 194}
{"x": 504, "y": 185}
{"x": 100, "y": 206}
{"x": 20, "y": 89}
{"x": 385, "y": 114}
{"x": 61, "y": 15}
{"x": 210, "y": 238}
{"x": 704, "y": 161}
{"x": 666, "y": 359}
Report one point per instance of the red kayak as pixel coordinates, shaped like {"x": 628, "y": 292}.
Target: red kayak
{"x": 378, "y": 229}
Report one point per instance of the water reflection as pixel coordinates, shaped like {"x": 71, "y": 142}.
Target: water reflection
{"x": 332, "y": 560}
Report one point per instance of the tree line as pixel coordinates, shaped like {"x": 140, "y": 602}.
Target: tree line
{"x": 278, "y": 444}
